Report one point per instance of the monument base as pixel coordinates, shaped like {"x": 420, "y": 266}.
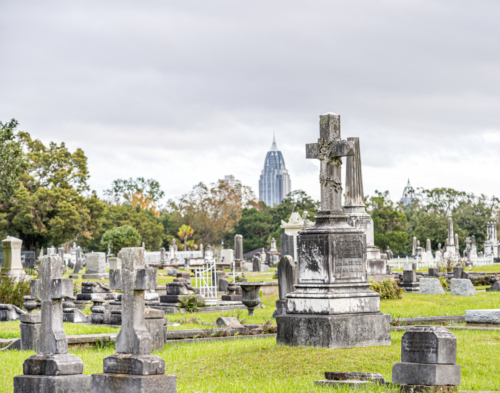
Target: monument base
{"x": 380, "y": 277}
{"x": 95, "y": 276}
{"x": 114, "y": 383}
{"x": 334, "y": 331}
{"x": 410, "y": 286}
{"x": 426, "y": 374}
{"x": 232, "y": 298}
{"x": 52, "y": 384}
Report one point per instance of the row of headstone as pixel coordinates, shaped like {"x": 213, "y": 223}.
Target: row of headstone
{"x": 132, "y": 368}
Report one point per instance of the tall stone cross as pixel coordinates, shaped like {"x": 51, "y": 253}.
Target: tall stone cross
{"x": 51, "y": 289}
{"x": 133, "y": 279}
{"x": 329, "y": 150}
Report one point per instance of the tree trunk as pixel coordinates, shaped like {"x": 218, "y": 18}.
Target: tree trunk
{"x": 185, "y": 243}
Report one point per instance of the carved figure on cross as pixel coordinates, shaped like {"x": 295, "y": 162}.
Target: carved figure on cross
{"x": 133, "y": 279}
{"x": 51, "y": 289}
{"x": 329, "y": 150}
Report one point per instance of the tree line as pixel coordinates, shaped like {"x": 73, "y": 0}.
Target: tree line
{"x": 46, "y": 201}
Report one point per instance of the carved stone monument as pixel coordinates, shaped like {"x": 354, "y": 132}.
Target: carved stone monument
{"x": 332, "y": 305}
{"x": 239, "y": 262}
{"x": 52, "y": 369}
{"x": 133, "y": 368}
{"x": 428, "y": 359}
{"x": 12, "y": 257}
{"x": 95, "y": 266}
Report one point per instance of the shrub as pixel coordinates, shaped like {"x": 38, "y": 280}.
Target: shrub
{"x": 387, "y": 289}
{"x": 120, "y": 237}
{"x": 191, "y": 302}
{"x": 444, "y": 282}
{"x": 12, "y": 291}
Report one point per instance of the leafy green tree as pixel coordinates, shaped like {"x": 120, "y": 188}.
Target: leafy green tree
{"x": 149, "y": 227}
{"x": 184, "y": 233}
{"x": 255, "y": 227}
{"x": 12, "y": 160}
{"x": 389, "y": 223}
{"x": 121, "y": 190}
{"x": 49, "y": 206}
{"x": 120, "y": 237}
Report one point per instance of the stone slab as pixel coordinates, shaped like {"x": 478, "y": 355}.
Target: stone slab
{"x": 462, "y": 287}
{"x": 229, "y": 322}
{"x": 48, "y": 364}
{"x": 123, "y": 363}
{"x": 483, "y": 316}
{"x": 351, "y": 384}
{"x": 52, "y": 384}
{"x": 334, "y": 331}
{"x": 232, "y": 298}
{"x": 95, "y": 276}
{"x": 426, "y": 374}
{"x": 431, "y": 286}
{"x": 114, "y": 383}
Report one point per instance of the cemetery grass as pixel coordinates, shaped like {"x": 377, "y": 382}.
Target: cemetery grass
{"x": 259, "y": 365}
{"x": 11, "y": 329}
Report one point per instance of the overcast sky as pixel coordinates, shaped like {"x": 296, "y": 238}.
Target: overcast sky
{"x": 189, "y": 91}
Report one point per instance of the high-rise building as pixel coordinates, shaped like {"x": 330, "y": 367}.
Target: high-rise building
{"x": 408, "y": 195}
{"x": 274, "y": 183}
{"x": 230, "y": 179}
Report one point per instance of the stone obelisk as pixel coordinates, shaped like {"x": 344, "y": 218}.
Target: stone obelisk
{"x": 332, "y": 305}
{"x": 358, "y": 217}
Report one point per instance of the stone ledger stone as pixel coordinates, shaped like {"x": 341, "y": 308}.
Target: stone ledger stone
{"x": 483, "y": 316}
{"x": 431, "y": 286}
{"x": 462, "y": 287}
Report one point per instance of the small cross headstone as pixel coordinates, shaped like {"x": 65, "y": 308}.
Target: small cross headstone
{"x": 52, "y": 365}
{"x": 133, "y": 364}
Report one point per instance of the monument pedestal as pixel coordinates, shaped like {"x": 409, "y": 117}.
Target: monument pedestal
{"x": 334, "y": 331}
{"x": 112, "y": 383}
{"x": 52, "y": 383}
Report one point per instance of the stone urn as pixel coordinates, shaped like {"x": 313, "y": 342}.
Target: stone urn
{"x": 250, "y": 297}
{"x": 30, "y": 303}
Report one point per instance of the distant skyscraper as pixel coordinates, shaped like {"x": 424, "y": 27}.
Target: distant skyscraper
{"x": 274, "y": 183}
{"x": 229, "y": 179}
{"x": 408, "y": 195}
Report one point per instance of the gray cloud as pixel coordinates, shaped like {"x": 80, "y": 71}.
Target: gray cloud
{"x": 190, "y": 91}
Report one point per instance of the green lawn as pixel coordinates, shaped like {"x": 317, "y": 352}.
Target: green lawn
{"x": 261, "y": 366}
{"x": 11, "y": 329}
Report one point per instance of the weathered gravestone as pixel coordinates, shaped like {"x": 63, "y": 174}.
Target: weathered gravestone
{"x": 434, "y": 272}
{"x": 462, "y": 287}
{"x": 332, "y": 305}
{"x": 115, "y": 263}
{"x": 30, "y": 330}
{"x": 458, "y": 272}
{"x": 287, "y": 278}
{"x": 239, "y": 262}
{"x": 78, "y": 267}
{"x": 12, "y": 264}
{"x": 409, "y": 283}
{"x": 95, "y": 266}
{"x": 52, "y": 369}
{"x": 133, "y": 368}
{"x": 9, "y": 312}
{"x": 431, "y": 286}
{"x": 428, "y": 358}
{"x": 287, "y": 245}
{"x": 256, "y": 264}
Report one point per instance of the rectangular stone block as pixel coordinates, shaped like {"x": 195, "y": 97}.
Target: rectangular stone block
{"x": 52, "y": 384}
{"x": 121, "y": 363}
{"x": 145, "y": 279}
{"x": 95, "y": 276}
{"x": 115, "y": 279}
{"x": 334, "y": 331}
{"x": 426, "y": 374}
{"x": 61, "y": 287}
{"x": 61, "y": 364}
{"x": 95, "y": 262}
{"x": 429, "y": 344}
{"x": 113, "y": 383}
{"x": 29, "y": 336}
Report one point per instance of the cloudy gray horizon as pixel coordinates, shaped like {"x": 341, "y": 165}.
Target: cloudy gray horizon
{"x": 190, "y": 91}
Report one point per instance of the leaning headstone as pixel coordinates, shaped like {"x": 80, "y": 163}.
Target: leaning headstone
{"x": 229, "y": 322}
{"x": 462, "y": 287}
{"x": 12, "y": 264}
{"x": 133, "y": 368}
{"x": 332, "y": 305}
{"x": 78, "y": 267}
{"x": 428, "y": 359}
{"x": 52, "y": 369}
{"x": 431, "y": 286}
{"x": 95, "y": 266}
{"x": 287, "y": 278}
{"x": 223, "y": 284}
